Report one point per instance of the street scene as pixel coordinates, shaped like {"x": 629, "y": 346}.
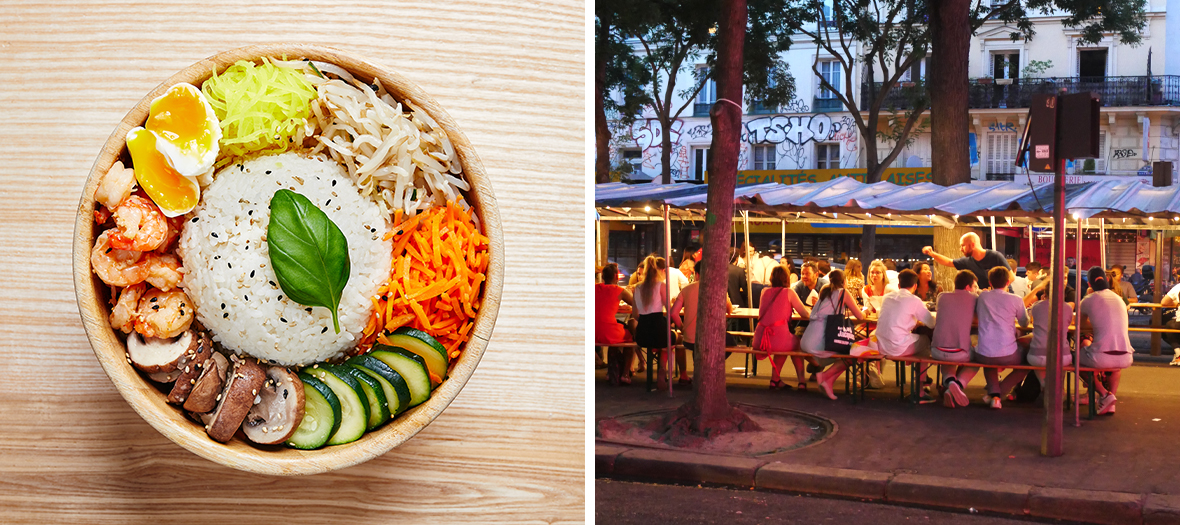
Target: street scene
{"x": 886, "y": 261}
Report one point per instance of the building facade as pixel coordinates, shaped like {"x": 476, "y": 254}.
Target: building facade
{"x": 1139, "y": 87}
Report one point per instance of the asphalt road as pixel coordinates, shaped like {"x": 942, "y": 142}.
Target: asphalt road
{"x": 642, "y": 503}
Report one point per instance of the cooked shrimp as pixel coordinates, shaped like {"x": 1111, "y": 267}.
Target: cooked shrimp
{"x": 164, "y": 270}
{"x": 115, "y": 186}
{"x": 141, "y": 225}
{"x": 117, "y": 267}
{"x": 164, "y": 314}
{"x": 123, "y": 314}
{"x": 174, "y": 226}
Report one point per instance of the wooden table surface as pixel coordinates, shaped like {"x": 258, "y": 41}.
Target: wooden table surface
{"x": 511, "y": 448}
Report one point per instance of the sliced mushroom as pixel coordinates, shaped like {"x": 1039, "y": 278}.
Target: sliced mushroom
{"x": 191, "y": 370}
{"x": 242, "y": 386}
{"x": 203, "y": 397}
{"x": 279, "y": 409}
{"x": 160, "y": 357}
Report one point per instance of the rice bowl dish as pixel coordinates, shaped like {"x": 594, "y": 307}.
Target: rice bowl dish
{"x": 287, "y": 254}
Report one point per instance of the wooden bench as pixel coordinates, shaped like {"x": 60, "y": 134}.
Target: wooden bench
{"x": 916, "y": 364}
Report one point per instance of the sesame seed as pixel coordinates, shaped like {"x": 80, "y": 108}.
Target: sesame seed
{"x": 328, "y": 203}
{"x": 324, "y": 330}
{"x": 268, "y": 172}
{"x": 251, "y": 212}
{"x": 280, "y": 297}
{"x": 247, "y": 297}
{"x": 219, "y": 397}
{"x": 214, "y": 234}
{"x": 223, "y": 306}
{"x": 308, "y": 310}
{"x": 108, "y": 250}
{"x": 215, "y": 257}
{"x": 225, "y": 316}
{"x": 192, "y": 381}
{"x": 231, "y": 265}
{"x": 283, "y": 319}
{"x": 251, "y": 274}
{"x": 155, "y": 307}
{"x": 272, "y": 283}
{"x": 195, "y": 219}
{"x": 154, "y": 299}
{"x": 264, "y": 431}
{"x": 333, "y": 182}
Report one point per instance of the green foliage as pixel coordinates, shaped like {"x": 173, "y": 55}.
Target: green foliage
{"x": 1036, "y": 68}
{"x": 1092, "y": 17}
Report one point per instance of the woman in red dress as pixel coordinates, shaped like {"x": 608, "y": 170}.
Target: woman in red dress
{"x": 608, "y": 330}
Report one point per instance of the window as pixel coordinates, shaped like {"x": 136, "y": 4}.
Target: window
{"x": 706, "y": 96}
{"x": 827, "y": 156}
{"x": 1092, "y": 64}
{"x": 634, "y": 159}
{"x": 829, "y": 15}
{"x": 765, "y": 157}
{"x": 700, "y": 164}
{"x": 915, "y": 72}
{"x": 1001, "y": 153}
{"x": 1005, "y": 64}
{"x": 830, "y": 71}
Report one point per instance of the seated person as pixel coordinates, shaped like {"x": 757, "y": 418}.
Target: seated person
{"x": 608, "y": 330}
{"x": 952, "y": 335}
{"x": 901, "y": 312}
{"x": 1040, "y": 314}
{"x": 687, "y": 302}
{"x": 833, "y": 300}
{"x": 776, "y": 305}
{"x": 1106, "y": 313}
{"x": 998, "y": 312}
{"x": 1121, "y": 287}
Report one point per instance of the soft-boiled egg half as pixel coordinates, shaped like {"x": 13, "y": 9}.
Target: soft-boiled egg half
{"x": 187, "y": 127}
{"x": 179, "y": 143}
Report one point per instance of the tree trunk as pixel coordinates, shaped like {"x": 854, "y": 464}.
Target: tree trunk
{"x": 950, "y": 33}
{"x": 601, "y": 130}
{"x": 709, "y": 412}
{"x": 666, "y": 148}
{"x": 946, "y": 242}
{"x": 868, "y": 244}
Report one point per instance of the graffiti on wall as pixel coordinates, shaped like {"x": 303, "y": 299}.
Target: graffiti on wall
{"x": 796, "y": 105}
{"x": 795, "y": 129}
{"x": 1124, "y": 154}
{"x": 899, "y": 176}
{"x": 1002, "y": 127}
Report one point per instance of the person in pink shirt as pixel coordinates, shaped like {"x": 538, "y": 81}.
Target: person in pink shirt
{"x": 776, "y": 305}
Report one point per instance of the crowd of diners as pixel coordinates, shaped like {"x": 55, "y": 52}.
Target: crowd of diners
{"x": 984, "y": 319}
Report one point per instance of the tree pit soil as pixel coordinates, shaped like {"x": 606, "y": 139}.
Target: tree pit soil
{"x": 749, "y": 431}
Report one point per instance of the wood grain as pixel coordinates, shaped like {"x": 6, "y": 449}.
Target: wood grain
{"x": 510, "y": 448}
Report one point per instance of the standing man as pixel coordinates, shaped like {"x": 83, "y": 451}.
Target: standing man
{"x": 975, "y": 258}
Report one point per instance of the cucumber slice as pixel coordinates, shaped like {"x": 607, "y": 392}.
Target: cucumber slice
{"x": 397, "y": 393}
{"x": 378, "y": 406}
{"x": 321, "y": 415}
{"x": 354, "y": 406}
{"x": 412, "y": 368}
{"x": 422, "y": 344}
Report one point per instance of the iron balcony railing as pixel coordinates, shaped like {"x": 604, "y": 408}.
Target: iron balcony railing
{"x": 825, "y": 105}
{"x": 1156, "y": 90}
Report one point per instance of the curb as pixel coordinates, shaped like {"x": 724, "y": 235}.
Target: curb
{"x": 965, "y": 495}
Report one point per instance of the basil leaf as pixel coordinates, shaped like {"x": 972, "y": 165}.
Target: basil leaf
{"x": 308, "y": 251}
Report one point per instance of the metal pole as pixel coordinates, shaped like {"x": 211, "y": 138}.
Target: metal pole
{"x": 782, "y": 246}
{"x": 993, "y": 218}
{"x": 1102, "y": 245}
{"x": 1156, "y": 319}
{"x": 1051, "y": 430}
{"x": 1077, "y": 331}
{"x": 1032, "y": 244}
{"x": 599, "y": 260}
{"x": 668, "y": 350}
{"x": 749, "y": 262}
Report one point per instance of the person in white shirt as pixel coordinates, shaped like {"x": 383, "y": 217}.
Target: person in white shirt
{"x": 998, "y": 312}
{"x": 1020, "y": 285}
{"x": 676, "y": 278}
{"x": 833, "y": 300}
{"x": 1172, "y": 299}
{"x": 1106, "y": 313}
{"x": 901, "y": 311}
{"x": 891, "y": 272}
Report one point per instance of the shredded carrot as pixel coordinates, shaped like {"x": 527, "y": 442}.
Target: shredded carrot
{"x": 436, "y": 277}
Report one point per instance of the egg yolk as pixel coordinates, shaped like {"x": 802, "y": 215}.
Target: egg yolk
{"x": 179, "y": 116}
{"x": 174, "y": 193}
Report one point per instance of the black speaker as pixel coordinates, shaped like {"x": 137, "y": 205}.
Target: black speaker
{"x": 1077, "y": 122}
{"x": 1040, "y": 132}
{"x": 1161, "y": 174}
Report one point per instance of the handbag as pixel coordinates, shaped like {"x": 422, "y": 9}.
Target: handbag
{"x": 838, "y": 334}
{"x": 764, "y": 331}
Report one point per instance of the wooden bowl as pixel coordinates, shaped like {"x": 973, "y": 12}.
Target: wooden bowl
{"x": 147, "y": 399}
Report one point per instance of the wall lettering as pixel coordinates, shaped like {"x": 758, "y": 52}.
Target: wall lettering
{"x": 1124, "y": 153}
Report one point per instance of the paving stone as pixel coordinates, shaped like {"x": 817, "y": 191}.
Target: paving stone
{"x": 687, "y": 466}
{"x": 1090, "y": 506}
{"x": 936, "y": 491}
{"x": 861, "y": 484}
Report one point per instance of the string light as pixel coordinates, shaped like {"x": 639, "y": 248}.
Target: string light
{"x": 647, "y": 208}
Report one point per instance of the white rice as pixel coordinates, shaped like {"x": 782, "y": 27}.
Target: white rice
{"x": 229, "y": 275}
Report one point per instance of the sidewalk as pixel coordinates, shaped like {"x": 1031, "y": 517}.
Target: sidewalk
{"x": 1116, "y": 469}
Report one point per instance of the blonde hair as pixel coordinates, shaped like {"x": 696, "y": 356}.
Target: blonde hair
{"x": 877, "y": 263}
{"x": 853, "y": 269}
{"x": 651, "y": 274}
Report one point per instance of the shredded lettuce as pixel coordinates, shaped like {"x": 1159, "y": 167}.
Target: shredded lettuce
{"x": 261, "y": 107}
